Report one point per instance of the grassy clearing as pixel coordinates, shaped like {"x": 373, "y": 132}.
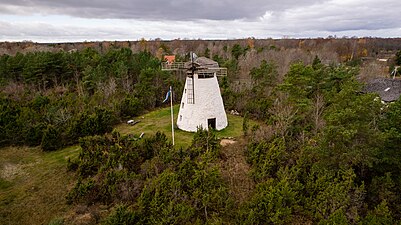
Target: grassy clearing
{"x": 160, "y": 120}
{"x": 34, "y": 184}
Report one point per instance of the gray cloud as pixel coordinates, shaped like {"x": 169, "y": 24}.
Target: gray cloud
{"x": 337, "y": 16}
{"x": 46, "y": 32}
{"x": 153, "y": 9}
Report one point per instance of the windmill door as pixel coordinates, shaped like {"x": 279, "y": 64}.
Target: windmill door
{"x": 211, "y": 123}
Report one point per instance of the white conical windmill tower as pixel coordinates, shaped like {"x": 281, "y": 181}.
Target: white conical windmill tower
{"x": 201, "y": 103}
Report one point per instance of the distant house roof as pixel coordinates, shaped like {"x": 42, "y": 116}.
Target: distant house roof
{"x": 169, "y": 58}
{"x": 389, "y": 90}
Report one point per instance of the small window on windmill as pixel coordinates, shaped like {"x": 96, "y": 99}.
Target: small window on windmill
{"x": 182, "y": 105}
{"x": 185, "y": 90}
{"x": 180, "y": 117}
{"x": 190, "y": 95}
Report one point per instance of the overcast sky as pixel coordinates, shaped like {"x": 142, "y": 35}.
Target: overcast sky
{"x": 97, "y": 20}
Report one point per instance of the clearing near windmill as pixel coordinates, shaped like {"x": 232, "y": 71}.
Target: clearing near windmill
{"x": 159, "y": 120}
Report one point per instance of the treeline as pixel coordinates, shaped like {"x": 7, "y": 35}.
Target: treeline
{"x": 344, "y": 47}
{"x": 52, "y": 99}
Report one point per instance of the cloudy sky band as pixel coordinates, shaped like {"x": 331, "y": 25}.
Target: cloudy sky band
{"x": 80, "y": 20}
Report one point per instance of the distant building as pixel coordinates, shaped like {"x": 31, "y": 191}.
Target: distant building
{"x": 169, "y": 58}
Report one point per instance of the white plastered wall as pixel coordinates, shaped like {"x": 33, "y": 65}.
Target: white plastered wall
{"x": 208, "y": 104}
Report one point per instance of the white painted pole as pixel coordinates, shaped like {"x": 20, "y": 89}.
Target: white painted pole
{"x": 172, "y": 113}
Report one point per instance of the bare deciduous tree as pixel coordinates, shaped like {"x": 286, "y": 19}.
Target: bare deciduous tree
{"x": 284, "y": 115}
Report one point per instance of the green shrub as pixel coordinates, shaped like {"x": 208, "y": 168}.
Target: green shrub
{"x": 273, "y": 203}
{"x": 35, "y": 134}
{"x": 130, "y": 107}
{"x": 51, "y": 139}
{"x": 121, "y": 215}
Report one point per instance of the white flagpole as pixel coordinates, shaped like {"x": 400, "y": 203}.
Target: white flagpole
{"x": 172, "y": 113}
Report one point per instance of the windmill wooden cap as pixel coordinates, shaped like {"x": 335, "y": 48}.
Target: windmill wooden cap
{"x": 203, "y": 61}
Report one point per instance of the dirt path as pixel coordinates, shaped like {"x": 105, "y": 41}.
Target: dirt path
{"x": 235, "y": 170}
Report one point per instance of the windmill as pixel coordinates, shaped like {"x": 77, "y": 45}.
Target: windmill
{"x": 201, "y": 103}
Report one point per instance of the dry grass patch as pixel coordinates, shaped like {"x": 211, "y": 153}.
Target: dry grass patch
{"x": 235, "y": 170}
{"x": 36, "y": 184}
